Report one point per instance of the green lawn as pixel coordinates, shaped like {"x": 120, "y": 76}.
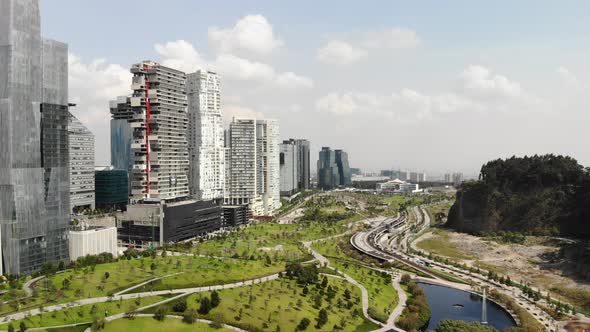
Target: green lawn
{"x": 382, "y": 296}
{"x": 148, "y": 324}
{"x": 440, "y": 244}
{"x": 197, "y": 271}
{"x": 84, "y": 313}
{"x": 281, "y": 302}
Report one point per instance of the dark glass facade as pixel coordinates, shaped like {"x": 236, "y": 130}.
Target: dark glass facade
{"x": 333, "y": 169}
{"x": 111, "y": 189}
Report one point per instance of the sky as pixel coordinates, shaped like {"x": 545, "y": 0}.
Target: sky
{"x": 418, "y": 85}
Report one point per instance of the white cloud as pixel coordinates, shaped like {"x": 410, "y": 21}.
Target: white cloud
{"x": 394, "y": 38}
{"x": 180, "y": 55}
{"x": 292, "y": 80}
{"x": 340, "y": 53}
{"x": 91, "y": 86}
{"x": 358, "y": 46}
{"x": 231, "y": 111}
{"x": 479, "y": 81}
{"x": 480, "y": 90}
{"x": 233, "y": 67}
{"x": 252, "y": 33}
{"x": 183, "y": 56}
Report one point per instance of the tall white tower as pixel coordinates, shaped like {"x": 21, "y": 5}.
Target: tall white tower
{"x": 205, "y": 136}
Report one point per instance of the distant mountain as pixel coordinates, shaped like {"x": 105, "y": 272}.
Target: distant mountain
{"x": 537, "y": 195}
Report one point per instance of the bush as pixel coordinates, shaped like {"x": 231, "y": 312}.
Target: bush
{"x": 160, "y": 313}
{"x": 180, "y": 305}
{"x": 190, "y": 316}
{"x": 205, "y": 306}
{"x": 303, "y": 324}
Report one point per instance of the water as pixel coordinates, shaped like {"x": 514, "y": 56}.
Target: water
{"x": 445, "y": 303}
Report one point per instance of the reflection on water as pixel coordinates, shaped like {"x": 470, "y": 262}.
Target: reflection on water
{"x": 449, "y": 303}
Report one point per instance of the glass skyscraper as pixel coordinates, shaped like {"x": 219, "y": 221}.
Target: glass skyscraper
{"x": 34, "y": 158}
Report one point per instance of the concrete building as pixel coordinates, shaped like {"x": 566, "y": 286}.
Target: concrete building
{"x": 205, "y": 136}
{"x": 253, "y": 175}
{"x": 112, "y": 189}
{"x": 81, "y": 153}
{"x": 92, "y": 241}
{"x": 303, "y": 169}
{"x": 288, "y": 160}
{"x": 146, "y": 226}
{"x": 397, "y": 186}
{"x": 34, "y": 171}
{"x": 160, "y": 124}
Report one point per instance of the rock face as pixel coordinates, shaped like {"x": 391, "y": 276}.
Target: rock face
{"x": 540, "y": 195}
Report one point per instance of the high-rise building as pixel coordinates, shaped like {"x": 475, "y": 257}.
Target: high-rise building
{"x": 448, "y": 178}
{"x": 253, "y": 165}
{"x": 159, "y": 123}
{"x": 343, "y": 168}
{"x": 328, "y": 176}
{"x": 303, "y": 170}
{"x": 457, "y": 178}
{"x": 121, "y": 133}
{"x": 81, "y": 153}
{"x": 288, "y": 160}
{"x": 205, "y": 136}
{"x": 34, "y": 170}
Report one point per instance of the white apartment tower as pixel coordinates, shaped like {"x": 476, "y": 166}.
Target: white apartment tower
{"x": 81, "y": 154}
{"x": 205, "y": 136}
{"x": 252, "y": 165}
{"x": 159, "y": 124}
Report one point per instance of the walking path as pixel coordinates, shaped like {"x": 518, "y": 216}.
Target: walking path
{"x": 145, "y": 283}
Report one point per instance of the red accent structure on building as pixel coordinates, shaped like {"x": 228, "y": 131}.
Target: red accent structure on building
{"x": 147, "y": 126}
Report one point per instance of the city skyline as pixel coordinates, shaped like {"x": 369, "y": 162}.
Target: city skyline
{"x": 410, "y": 80}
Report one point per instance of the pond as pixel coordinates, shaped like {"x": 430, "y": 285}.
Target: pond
{"x": 450, "y": 303}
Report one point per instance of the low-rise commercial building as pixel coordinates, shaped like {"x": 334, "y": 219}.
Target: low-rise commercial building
{"x": 151, "y": 225}
{"x": 90, "y": 240}
{"x": 235, "y": 215}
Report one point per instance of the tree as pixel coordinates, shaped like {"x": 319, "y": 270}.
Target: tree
{"x": 317, "y": 301}
{"x": 406, "y": 278}
{"x": 347, "y": 294}
{"x": 22, "y": 326}
{"x": 190, "y": 316}
{"x": 106, "y": 275}
{"x": 65, "y": 283}
{"x": 153, "y": 267}
{"x": 180, "y": 306}
{"x": 97, "y": 324}
{"x": 205, "y": 306}
{"x": 215, "y": 300}
{"x": 303, "y": 324}
{"x": 461, "y": 326}
{"x": 160, "y": 313}
{"x": 322, "y": 318}
{"x": 10, "y": 328}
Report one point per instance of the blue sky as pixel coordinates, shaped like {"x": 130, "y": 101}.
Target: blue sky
{"x": 425, "y": 82}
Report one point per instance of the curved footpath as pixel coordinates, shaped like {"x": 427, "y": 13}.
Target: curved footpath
{"x": 179, "y": 292}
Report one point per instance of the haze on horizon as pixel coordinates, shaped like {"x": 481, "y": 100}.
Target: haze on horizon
{"x": 404, "y": 84}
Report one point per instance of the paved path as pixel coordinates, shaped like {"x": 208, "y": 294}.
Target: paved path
{"x": 325, "y": 262}
{"x": 180, "y": 292}
{"x": 145, "y": 283}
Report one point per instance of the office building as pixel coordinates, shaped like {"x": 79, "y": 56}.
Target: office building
{"x": 303, "y": 170}
{"x": 34, "y": 171}
{"x": 205, "y": 136}
{"x": 448, "y": 178}
{"x": 397, "y": 186}
{"x": 457, "y": 179}
{"x": 146, "y": 226}
{"x": 121, "y": 133}
{"x": 288, "y": 161}
{"x": 253, "y": 176}
{"x": 328, "y": 176}
{"x": 235, "y": 215}
{"x": 111, "y": 189}
{"x": 81, "y": 154}
{"x": 343, "y": 168}
{"x": 89, "y": 240}
{"x": 159, "y": 123}
{"x": 355, "y": 171}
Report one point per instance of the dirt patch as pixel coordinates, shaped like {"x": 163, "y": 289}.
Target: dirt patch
{"x": 533, "y": 262}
